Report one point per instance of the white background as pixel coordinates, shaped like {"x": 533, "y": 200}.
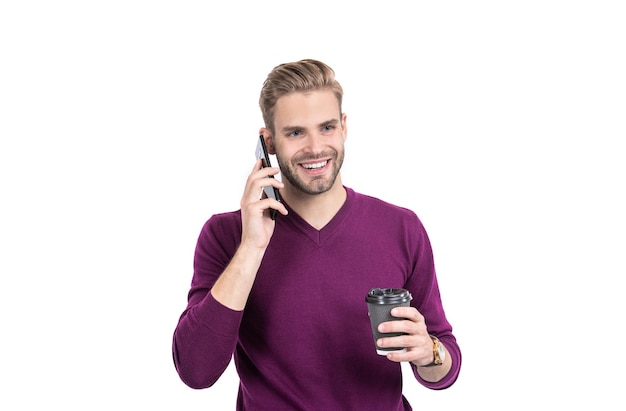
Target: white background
{"x": 125, "y": 124}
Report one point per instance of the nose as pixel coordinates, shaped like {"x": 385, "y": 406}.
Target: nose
{"x": 315, "y": 142}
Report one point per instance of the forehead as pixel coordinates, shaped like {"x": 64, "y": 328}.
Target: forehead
{"x": 306, "y": 109}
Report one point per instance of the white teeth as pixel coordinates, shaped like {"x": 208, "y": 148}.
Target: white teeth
{"x": 315, "y": 165}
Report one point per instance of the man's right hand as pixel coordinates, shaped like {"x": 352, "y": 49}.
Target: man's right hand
{"x": 233, "y": 286}
{"x": 257, "y": 226}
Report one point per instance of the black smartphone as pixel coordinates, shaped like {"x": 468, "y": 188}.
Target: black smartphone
{"x": 270, "y": 192}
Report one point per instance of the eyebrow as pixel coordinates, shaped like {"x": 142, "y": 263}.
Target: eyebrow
{"x": 289, "y": 129}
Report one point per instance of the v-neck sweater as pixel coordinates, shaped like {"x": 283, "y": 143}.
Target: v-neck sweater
{"x": 304, "y": 340}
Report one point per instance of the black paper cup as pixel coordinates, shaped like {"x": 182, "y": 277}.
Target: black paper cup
{"x": 380, "y": 302}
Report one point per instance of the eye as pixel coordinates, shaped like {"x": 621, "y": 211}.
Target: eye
{"x": 295, "y": 133}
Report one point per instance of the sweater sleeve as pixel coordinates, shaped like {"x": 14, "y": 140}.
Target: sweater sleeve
{"x": 206, "y": 334}
{"x": 427, "y": 300}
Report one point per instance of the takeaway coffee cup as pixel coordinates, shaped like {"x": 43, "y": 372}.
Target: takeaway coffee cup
{"x": 380, "y": 301}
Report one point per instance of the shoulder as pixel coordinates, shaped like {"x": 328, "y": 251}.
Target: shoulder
{"x": 375, "y": 206}
{"x": 225, "y": 220}
{"x": 222, "y": 228}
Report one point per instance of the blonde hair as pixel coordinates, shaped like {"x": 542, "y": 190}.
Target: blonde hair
{"x": 300, "y": 76}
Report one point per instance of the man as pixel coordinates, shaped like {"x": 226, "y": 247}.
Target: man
{"x": 286, "y": 297}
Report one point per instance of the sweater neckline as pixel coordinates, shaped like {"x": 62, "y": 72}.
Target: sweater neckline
{"x": 323, "y": 234}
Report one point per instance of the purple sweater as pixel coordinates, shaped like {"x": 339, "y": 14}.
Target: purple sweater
{"x": 304, "y": 340}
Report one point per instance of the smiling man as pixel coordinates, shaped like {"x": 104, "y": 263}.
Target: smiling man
{"x": 286, "y": 297}
{"x": 309, "y": 145}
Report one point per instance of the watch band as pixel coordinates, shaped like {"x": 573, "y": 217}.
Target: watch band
{"x": 439, "y": 354}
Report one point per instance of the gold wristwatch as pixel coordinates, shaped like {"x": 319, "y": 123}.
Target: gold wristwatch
{"x": 439, "y": 353}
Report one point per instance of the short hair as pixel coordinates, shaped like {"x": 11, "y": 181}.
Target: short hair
{"x": 300, "y": 76}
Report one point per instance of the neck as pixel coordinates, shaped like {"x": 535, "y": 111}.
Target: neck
{"x": 315, "y": 209}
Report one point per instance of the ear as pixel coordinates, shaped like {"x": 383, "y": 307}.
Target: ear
{"x": 344, "y": 125}
{"x": 269, "y": 141}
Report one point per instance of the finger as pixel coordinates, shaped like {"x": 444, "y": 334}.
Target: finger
{"x": 410, "y": 313}
{"x": 401, "y": 341}
{"x": 264, "y": 171}
{"x": 267, "y": 182}
{"x": 258, "y": 180}
{"x": 257, "y": 166}
{"x": 397, "y": 326}
{"x": 401, "y": 356}
{"x": 268, "y": 203}
{"x": 267, "y": 172}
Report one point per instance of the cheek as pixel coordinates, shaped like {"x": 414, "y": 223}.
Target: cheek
{"x": 284, "y": 153}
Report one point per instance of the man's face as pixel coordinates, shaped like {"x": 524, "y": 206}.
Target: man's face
{"x": 309, "y": 140}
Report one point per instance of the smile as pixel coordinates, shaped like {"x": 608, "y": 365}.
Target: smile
{"x": 315, "y": 166}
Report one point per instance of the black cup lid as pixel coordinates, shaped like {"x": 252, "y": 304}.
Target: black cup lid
{"x": 388, "y": 296}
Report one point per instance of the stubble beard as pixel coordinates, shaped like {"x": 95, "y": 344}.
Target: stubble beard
{"x": 319, "y": 185}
